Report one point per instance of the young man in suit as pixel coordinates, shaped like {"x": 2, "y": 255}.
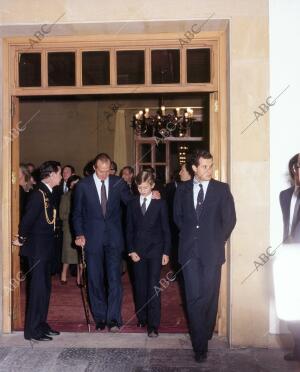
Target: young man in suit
{"x": 37, "y": 241}
{"x": 290, "y": 207}
{"x": 149, "y": 242}
{"x": 205, "y": 215}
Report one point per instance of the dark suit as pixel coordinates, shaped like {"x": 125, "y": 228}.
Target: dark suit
{"x": 202, "y": 252}
{"x": 149, "y": 236}
{"x": 38, "y": 248}
{"x": 104, "y": 243}
{"x": 285, "y": 198}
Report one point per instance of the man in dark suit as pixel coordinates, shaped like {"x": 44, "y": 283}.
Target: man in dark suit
{"x": 205, "y": 215}
{"x": 97, "y": 225}
{"x": 290, "y": 207}
{"x": 37, "y": 241}
{"x": 149, "y": 243}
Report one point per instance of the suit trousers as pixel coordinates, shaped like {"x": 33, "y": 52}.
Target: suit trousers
{"x": 105, "y": 302}
{"x": 202, "y": 285}
{"x": 39, "y": 290}
{"x": 147, "y": 290}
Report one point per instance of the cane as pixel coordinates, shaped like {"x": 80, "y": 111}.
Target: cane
{"x": 83, "y": 289}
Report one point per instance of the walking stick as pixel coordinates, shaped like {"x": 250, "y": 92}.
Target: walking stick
{"x": 83, "y": 289}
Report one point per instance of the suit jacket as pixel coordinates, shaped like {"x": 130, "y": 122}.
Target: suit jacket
{"x": 285, "y": 198}
{"x": 148, "y": 235}
{"x": 204, "y": 238}
{"x": 87, "y": 216}
{"x": 34, "y": 227}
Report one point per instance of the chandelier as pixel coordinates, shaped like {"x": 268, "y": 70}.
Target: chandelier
{"x": 163, "y": 124}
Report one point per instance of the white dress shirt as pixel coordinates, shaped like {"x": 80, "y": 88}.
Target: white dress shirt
{"x": 196, "y": 189}
{"x": 148, "y": 200}
{"x": 292, "y": 206}
{"x": 98, "y": 184}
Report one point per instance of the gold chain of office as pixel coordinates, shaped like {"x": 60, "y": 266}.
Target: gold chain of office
{"x": 46, "y": 205}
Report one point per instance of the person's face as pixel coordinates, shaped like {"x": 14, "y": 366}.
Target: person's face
{"x": 127, "y": 176}
{"x": 297, "y": 172}
{"x": 112, "y": 171}
{"x": 184, "y": 174}
{"x": 203, "y": 171}
{"x": 145, "y": 188}
{"x": 102, "y": 169}
{"x": 67, "y": 173}
{"x": 30, "y": 168}
{"x": 55, "y": 177}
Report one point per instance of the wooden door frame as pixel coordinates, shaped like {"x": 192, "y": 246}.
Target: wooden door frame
{"x": 218, "y": 145}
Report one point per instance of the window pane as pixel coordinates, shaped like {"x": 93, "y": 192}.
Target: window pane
{"x": 30, "y": 70}
{"x": 131, "y": 67}
{"x": 165, "y": 66}
{"x": 160, "y": 171}
{"x": 145, "y": 153}
{"x": 198, "y": 65}
{"x": 61, "y": 69}
{"x": 95, "y": 68}
{"x": 160, "y": 153}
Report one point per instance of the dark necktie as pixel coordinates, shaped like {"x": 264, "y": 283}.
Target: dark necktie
{"x": 200, "y": 199}
{"x": 103, "y": 198}
{"x": 296, "y": 211}
{"x": 144, "y": 206}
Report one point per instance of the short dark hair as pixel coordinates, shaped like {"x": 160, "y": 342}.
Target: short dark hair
{"x": 113, "y": 166}
{"x": 48, "y": 167}
{"x": 199, "y": 154}
{"x": 145, "y": 176}
{"x": 131, "y": 170}
{"x": 293, "y": 163}
{"x": 88, "y": 168}
{"x": 102, "y": 157}
{"x": 71, "y": 179}
{"x": 68, "y": 166}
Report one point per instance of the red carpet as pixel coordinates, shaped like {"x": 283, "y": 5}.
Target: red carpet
{"x": 66, "y": 311}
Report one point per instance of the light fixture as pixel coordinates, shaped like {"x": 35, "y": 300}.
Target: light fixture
{"x": 163, "y": 124}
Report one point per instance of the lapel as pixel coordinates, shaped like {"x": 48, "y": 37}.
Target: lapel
{"x": 288, "y": 200}
{"x": 190, "y": 192}
{"x": 111, "y": 182}
{"x": 138, "y": 207}
{"x": 95, "y": 192}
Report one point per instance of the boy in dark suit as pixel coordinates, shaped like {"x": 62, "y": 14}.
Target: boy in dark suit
{"x": 149, "y": 242}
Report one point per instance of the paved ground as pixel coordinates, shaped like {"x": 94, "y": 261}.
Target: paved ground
{"x": 132, "y": 352}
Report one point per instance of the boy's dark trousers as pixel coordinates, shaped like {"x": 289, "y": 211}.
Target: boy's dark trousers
{"x": 147, "y": 290}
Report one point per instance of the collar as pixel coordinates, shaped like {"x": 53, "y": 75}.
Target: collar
{"x": 196, "y": 182}
{"x": 48, "y": 187}
{"x": 148, "y": 198}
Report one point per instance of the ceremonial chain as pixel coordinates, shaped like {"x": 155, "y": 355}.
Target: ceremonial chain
{"x": 50, "y": 222}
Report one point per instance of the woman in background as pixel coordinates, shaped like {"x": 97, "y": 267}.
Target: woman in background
{"x": 69, "y": 250}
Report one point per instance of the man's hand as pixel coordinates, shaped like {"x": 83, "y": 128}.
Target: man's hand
{"x": 155, "y": 194}
{"x": 80, "y": 241}
{"x": 165, "y": 260}
{"x": 134, "y": 256}
{"x": 17, "y": 242}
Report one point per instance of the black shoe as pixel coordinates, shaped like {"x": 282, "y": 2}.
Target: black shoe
{"x": 100, "y": 325}
{"x": 201, "y": 356}
{"x": 290, "y": 357}
{"x": 113, "y": 326}
{"x": 42, "y": 338}
{"x": 52, "y": 332}
{"x": 141, "y": 324}
{"x": 152, "y": 332}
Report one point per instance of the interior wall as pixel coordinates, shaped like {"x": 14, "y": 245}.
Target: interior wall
{"x": 74, "y": 131}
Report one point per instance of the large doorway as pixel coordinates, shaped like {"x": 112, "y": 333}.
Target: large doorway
{"x": 72, "y": 130}
{"x": 131, "y": 66}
